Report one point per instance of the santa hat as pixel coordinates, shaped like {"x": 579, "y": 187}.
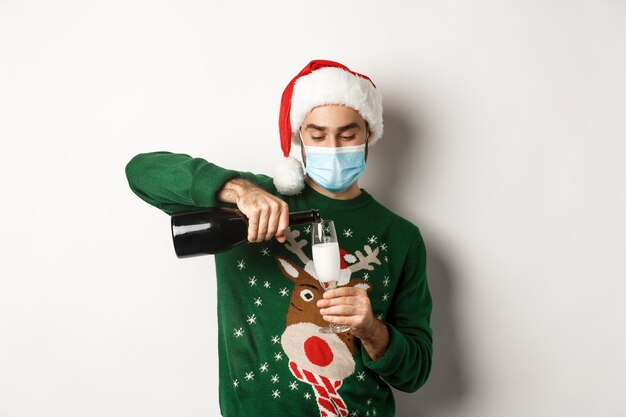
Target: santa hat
{"x": 321, "y": 82}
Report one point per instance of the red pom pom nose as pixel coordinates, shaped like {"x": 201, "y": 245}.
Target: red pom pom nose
{"x": 318, "y": 351}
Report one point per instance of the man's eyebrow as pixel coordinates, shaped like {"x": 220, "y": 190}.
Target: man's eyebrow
{"x": 353, "y": 125}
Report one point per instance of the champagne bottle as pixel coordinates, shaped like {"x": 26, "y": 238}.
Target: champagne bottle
{"x": 217, "y": 229}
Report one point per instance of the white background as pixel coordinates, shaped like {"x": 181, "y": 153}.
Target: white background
{"x": 505, "y": 143}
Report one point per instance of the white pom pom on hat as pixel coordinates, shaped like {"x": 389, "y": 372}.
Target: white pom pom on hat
{"x": 289, "y": 176}
{"x": 321, "y": 82}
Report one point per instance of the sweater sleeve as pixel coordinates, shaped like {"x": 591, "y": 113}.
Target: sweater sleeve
{"x": 407, "y": 362}
{"x": 176, "y": 182}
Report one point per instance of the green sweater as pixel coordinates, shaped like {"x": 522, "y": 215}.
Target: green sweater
{"x": 272, "y": 359}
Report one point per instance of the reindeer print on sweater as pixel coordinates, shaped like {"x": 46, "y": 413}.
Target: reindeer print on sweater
{"x": 321, "y": 360}
{"x": 317, "y": 360}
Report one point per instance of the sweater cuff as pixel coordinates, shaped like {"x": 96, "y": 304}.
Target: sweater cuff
{"x": 207, "y": 182}
{"x": 388, "y": 363}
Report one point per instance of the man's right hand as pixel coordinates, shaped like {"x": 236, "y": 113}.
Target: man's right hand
{"x": 267, "y": 214}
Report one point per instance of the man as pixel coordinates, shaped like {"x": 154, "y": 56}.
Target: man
{"x": 273, "y": 361}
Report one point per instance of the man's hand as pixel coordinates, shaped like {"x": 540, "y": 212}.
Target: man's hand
{"x": 351, "y": 306}
{"x": 267, "y": 214}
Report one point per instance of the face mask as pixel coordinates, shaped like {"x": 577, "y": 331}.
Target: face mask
{"x": 335, "y": 168}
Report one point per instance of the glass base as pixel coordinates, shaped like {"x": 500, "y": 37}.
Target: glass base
{"x": 335, "y": 329}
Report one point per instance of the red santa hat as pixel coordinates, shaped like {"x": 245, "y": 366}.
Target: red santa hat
{"x": 321, "y": 82}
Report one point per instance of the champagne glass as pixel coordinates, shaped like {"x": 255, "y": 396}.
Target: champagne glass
{"x": 327, "y": 262}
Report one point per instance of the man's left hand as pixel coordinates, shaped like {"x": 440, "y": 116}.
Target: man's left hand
{"x": 351, "y": 306}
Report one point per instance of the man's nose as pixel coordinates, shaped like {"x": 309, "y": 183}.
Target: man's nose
{"x": 333, "y": 141}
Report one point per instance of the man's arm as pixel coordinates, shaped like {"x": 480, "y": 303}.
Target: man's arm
{"x": 407, "y": 361}
{"x": 178, "y": 183}
{"x": 233, "y": 189}
{"x": 377, "y": 342}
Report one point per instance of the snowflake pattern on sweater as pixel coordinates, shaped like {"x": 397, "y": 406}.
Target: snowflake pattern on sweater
{"x": 318, "y": 363}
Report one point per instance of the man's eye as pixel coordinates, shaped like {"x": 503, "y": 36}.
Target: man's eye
{"x": 348, "y": 137}
{"x": 317, "y": 138}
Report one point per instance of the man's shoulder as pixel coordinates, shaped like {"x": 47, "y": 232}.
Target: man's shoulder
{"x": 398, "y": 222}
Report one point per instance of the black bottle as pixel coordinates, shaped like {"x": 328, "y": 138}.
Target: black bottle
{"x": 217, "y": 229}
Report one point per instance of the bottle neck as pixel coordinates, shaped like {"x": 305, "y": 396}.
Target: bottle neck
{"x": 303, "y": 217}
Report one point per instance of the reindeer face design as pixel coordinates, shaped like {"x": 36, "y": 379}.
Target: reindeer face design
{"x": 329, "y": 355}
{"x": 319, "y": 359}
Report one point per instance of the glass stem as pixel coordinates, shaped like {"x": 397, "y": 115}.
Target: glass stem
{"x": 331, "y": 285}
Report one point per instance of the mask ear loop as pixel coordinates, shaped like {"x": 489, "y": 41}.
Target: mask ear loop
{"x": 302, "y": 146}
{"x": 366, "y": 137}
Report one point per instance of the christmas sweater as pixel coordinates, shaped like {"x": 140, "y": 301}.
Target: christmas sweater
{"x": 273, "y": 361}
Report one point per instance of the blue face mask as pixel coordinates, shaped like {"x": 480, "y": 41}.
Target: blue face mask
{"x": 335, "y": 168}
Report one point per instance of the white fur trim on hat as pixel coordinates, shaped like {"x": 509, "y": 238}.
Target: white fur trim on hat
{"x": 289, "y": 176}
{"x": 335, "y": 86}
